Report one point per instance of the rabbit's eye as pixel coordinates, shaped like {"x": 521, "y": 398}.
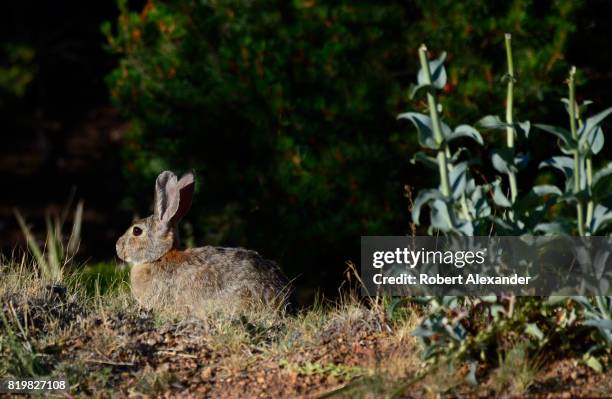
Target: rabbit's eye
{"x": 136, "y": 231}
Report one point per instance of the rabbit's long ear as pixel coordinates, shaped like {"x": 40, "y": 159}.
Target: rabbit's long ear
{"x": 166, "y": 202}
{"x": 185, "y": 187}
{"x": 172, "y": 197}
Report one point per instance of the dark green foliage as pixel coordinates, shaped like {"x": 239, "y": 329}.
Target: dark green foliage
{"x": 18, "y": 72}
{"x": 286, "y": 110}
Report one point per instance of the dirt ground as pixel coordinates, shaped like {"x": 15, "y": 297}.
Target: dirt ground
{"x": 108, "y": 347}
{"x": 133, "y": 357}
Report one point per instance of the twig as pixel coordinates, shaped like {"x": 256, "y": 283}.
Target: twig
{"x": 110, "y": 363}
{"x": 173, "y": 353}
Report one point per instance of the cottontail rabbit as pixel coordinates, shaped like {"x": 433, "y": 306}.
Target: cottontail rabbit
{"x": 163, "y": 275}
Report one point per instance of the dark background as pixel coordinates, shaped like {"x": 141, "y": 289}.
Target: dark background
{"x": 63, "y": 132}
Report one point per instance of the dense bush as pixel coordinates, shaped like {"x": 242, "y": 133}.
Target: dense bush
{"x": 18, "y": 73}
{"x": 286, "y": 110}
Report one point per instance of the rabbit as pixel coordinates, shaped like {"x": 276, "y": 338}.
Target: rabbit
{"x": 163, "y": 275}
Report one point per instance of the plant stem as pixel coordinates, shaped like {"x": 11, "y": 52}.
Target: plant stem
{"x": 509, "y": 116}
{"x": 572, "y": 111}
{"x": 435, "y": 121}
{"x": 589, "y": 180}
{"x": 589, "y": 176}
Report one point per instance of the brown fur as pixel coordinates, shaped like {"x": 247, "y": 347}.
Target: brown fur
{"x": 164, "y": 276}
{"x": 174, "y": 257}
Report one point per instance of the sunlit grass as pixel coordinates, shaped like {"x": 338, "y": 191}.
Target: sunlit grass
{"x": 59, "y": 317}
{"x": 90, "y": 300}
{"x": 56, "y": 254}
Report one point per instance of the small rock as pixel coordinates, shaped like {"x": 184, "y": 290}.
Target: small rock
{"x": 206, "y": 373}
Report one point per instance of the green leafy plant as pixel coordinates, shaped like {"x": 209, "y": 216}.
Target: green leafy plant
{"x": 19, "y": 358}
{"x": 450, "y": 203}
{"x": 16, "y": 76}
{"x": 584, "y": 139}
{"x": 472, "y": 327}
{"x": 56, "y": 253}
{"x": 598, "y": 314}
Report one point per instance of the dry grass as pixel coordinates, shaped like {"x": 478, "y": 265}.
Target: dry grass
{"x": 517, "y": 371}
{"x": 107, "y": 345}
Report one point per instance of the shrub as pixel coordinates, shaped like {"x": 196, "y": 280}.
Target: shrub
{"x": 465, "y": 205}
{"x": 286, "y": 109}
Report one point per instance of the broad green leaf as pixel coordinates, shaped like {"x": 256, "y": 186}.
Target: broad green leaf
{"x": 554, "y": 228}
{"x": 592, "y": 142}
{"x": 497, "y": 311}
{"x": 505, "y": 225}
{"x": 502, "y": 160}
{"x": 599, "y": 266}
{"x": 470, "y": 186}
{"x": 450, "y": 301}
{"x": 457, "y": 154}
{"x": 601, "y": 217}
{"x": 488, "y": 298}
{"x": 523, "y": 129}
{"x": 582, "y": 108}
{"x": 545, "y": 189}
{"x": 438, "y": 73}
{"x": 556, "y": 300}
{"x": 424, "y": 127}
{"x": 564, "y": 164}
{"x": 566, "y": 105}
{"x": 479, "y": 206}
{"x": 593, "y": 122}
{"x": 471, "y": 376}
{"x": 493, "y": 122}
{"x": 584, "y": 301}
{"x": 422, "y": 198}
{"x": 499, "y": 197}
{"x": 560, "y": 132}
{"x": 465, "y": 131}
{"x": 593, "y": 363}
{"x": 467, "y": 228}
{"x": 533, "y": 330}
{"x": 425, "y": 159}
{"x": 457, "y": 179}
{"x": 521, "y": 160}
{"x": 602, "y": 173}
{"x": 602, "y": 182}
{"x": 440, "y": 216}
{"x": 599, "y": 323}
{"x": 414, "y": 89}
{"x": 490, "y": 122}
